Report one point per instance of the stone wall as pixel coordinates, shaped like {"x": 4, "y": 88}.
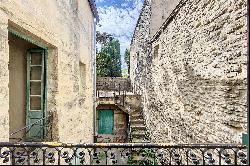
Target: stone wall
{"x": 194, "y": 85}
{"x": 110, "y": 83}
{"x": 66, "y": 28}
{"x": 161, "y": 10}
{"x": 140, "y": 47}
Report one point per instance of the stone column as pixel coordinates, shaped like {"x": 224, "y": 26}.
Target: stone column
{"x": 4, "y": 79}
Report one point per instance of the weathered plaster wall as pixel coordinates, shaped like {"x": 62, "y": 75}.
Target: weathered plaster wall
{"x": 67, "y": 30}
{"x": 195, "y": 89}
{"x": 4, "y": 77}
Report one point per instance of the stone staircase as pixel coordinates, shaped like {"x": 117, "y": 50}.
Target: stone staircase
{"x": 138, "y": 132}
{"x": 119, "y": 92}
{"x": 137, "y": 128}
{"x": 131, "y": 104}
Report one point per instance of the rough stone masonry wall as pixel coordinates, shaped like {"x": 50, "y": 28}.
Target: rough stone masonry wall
{"x": 195, "y": 89}
{"x": 140, "y": 47}
{"x": 66, "y": 28}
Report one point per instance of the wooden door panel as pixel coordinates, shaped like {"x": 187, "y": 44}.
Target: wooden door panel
{"x": 106, "y": 121}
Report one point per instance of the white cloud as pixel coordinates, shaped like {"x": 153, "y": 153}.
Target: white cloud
{"x": 120, "y": 22}
{"x": 125, "y": 4}
{"x": 98, "y": 1}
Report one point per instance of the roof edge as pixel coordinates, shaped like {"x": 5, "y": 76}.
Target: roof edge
{"x": 173, "y": 13}
{"x": 94, "y": 9}
{"x": 138, "y": 21}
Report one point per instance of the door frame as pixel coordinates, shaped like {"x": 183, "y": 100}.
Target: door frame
{"x": 21, "y": 33}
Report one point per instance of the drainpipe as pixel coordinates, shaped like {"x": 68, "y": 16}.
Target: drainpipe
{"x": 94, "y": 81}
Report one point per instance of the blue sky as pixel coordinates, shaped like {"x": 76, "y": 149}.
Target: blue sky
{"x": 119, "y": 17}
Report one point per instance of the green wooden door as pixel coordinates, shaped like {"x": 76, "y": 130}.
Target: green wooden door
{"x": 35, "y": 101}
{"x": 245, "y": 139}
{"x": 105, "y": 122}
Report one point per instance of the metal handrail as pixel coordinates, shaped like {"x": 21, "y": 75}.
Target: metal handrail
{"x": 124, "y": 145}
{"x": 27, "y": 126}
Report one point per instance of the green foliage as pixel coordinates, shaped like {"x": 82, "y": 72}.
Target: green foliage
{"x": 103, "y": 38}
{"x": 127, "y": 59}
{"x": 102, "y": 64}
{"x": 125, "y": 73}
{"x": 148, "y": 155}
{"x": 108, "y": 60}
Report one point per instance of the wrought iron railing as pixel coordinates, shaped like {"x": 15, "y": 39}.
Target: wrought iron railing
{"x": 127, "y": 154}
{"x": 118, "y": 93}
{"x": 116, "y": 89}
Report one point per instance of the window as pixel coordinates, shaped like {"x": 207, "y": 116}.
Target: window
{"x": 105, "y": 121}
{"x": 82, "y": 84}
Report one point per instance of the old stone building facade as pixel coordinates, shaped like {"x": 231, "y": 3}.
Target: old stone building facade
{"x": 188, "y": 60}
{"x": 119, "y": 112}
{"x": 111, "y": 118}
{"x": 47, "y": 70}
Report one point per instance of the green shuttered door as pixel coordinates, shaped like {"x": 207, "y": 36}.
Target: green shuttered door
{"x": 35, "y": 104}
{"x": 106, "y": 121}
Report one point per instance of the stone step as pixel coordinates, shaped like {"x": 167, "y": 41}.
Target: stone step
{"x": 136, "y": 121}
{"x": 136, "y": 117}
{"x": 138, "y": 132}
{"x": 136, "y": 112}
{"x": 140, "y": 140}
{"x": 140, "y": 137}
{"x": 138, "y": 127}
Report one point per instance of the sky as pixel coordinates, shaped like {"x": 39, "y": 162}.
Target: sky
{"x": 119, "y": 17}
